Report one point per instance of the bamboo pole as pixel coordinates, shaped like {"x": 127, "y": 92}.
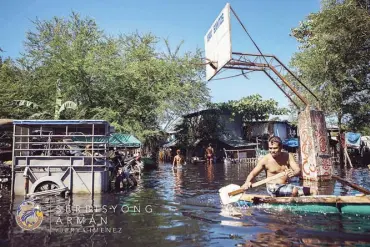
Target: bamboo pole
{"x": 307, "y": 199}
{"x": 347, "y": 156}
{"x": 354, "y": 186}
{"x": 233, "y": 150}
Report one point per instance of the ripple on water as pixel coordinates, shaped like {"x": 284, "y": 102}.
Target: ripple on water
{"x": 186, "y": 211}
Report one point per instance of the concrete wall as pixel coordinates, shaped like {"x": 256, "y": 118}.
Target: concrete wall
{"x": 232, "y": 125}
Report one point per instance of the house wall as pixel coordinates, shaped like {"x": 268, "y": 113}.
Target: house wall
{"x": 232, "y": 125}
{"x": 232, "y": 128}
{"x": 281, "y": 130}
{"x": 256, "y": 129}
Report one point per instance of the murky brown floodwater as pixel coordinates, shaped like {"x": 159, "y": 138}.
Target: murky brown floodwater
{"x": 182, "y": 208}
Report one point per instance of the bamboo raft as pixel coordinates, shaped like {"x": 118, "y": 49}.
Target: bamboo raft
{"x": 359, "y": 204}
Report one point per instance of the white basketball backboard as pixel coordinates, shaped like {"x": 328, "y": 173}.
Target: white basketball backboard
{"x": 218, "y": 43}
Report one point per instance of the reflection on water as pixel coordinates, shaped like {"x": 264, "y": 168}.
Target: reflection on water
{"x": 181, "y": 207}
{"x": 210, "y": 172}
{"x": 178, "y": 180}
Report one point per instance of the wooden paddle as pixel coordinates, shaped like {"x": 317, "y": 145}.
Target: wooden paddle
{"x": 233, "y": 192}
{"x": 355, "y": 186}
{"x": 266, "y": 180}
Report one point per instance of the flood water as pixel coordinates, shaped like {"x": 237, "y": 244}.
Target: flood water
{"x": 182, "y": 208}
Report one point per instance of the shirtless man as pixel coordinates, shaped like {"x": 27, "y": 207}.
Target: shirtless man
{"x": 177, "y": 160}
{"x": 273, "y": 163}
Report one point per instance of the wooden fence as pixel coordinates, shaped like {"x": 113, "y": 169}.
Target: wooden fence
{"x": 249, "y": 161}
{"x": 254, "y": 160}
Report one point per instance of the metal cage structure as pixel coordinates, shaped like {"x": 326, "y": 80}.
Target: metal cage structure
{"x": 46, "y": 159}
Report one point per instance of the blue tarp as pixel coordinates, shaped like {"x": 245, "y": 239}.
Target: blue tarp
{"x": 291, "y": 142}
{"x": 353, "y": 139}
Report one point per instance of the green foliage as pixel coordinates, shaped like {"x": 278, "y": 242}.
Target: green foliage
{"x": 11, "y": 88}
{"x": 253, "y": 108}
{"x": 204, "y": 126}
{"x": 126, "y": 80}
{"x": 334, "y": 58}
{"x": 208, "y": 125}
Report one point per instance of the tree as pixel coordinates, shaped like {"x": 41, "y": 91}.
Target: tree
{"x": 11, "y": 87}
{"x": 189, "y": 92}
{"x": 207, "y": 125}
{"x": 203, "y": 126}
{"x": 253, "y": 108}
{"x": 334, "y": 58}
{"x": 124, "y": 80}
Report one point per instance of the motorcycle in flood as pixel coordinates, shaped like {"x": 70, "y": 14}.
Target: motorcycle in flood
{"x": 125, "y": 178}
{"x": 135, "y": 166}
{"x": 124, "y": 172}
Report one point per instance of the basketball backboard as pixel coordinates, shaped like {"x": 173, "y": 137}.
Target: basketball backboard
{"x": 218, "y": 43}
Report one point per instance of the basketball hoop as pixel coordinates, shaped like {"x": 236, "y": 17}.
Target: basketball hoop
{"x": 213, "y": 64}
{"x": 218, "y": 43}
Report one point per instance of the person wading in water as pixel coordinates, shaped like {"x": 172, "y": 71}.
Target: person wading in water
{"x": 178, "y": 160}
{"x": 209, "y": 154}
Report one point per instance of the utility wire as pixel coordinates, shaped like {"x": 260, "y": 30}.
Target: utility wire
{"x": 237, "y": 17}
{"x": 227, "y": 77}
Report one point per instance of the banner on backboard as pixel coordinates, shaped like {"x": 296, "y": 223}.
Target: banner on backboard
{"x": 218, "y": 43}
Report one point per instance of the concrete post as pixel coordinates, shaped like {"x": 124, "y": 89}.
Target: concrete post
{"x": 314, "y": 146}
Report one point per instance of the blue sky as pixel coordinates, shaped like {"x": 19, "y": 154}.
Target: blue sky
{"x": 268, "y": 21}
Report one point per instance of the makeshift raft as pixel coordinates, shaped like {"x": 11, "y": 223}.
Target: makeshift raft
{"x": 358, "y": 204}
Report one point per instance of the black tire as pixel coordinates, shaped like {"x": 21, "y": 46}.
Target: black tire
{"x": 117, "y": 183}
{"x": 47, "y": 185}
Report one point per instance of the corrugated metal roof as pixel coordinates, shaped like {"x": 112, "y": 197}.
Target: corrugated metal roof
{"x": 125, "y": 140}
{"x": 116, "y": 139}
{"x": 235, "y": 141}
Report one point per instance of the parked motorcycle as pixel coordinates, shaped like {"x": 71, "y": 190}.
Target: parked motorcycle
{"x": 124, "y": 172}
{"x": 135, "y": 165}
{"x": 125, "y": 178}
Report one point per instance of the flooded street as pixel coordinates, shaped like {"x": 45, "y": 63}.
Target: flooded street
{"x": 182, "y": 208}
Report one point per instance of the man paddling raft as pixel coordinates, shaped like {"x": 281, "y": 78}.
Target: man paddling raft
{"x": 275, "y": 162}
